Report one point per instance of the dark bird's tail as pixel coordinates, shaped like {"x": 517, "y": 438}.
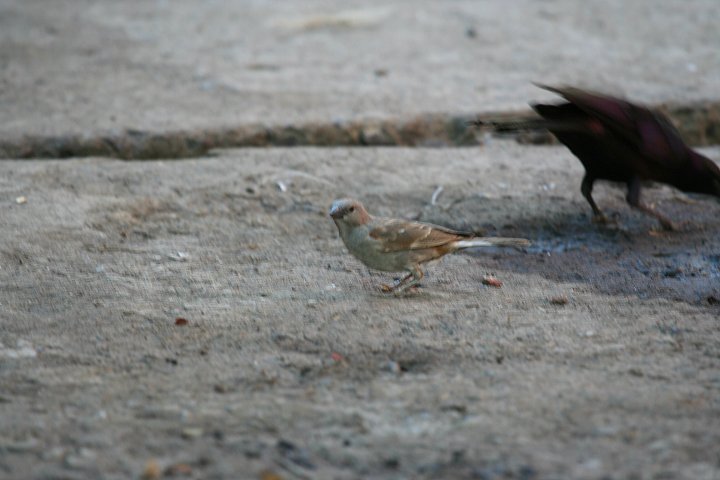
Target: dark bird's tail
{"x": 512, "y": 126}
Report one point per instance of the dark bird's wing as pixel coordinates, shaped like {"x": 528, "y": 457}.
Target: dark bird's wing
{"x": 661, "y": 140}
{"x": 398, "y": 235}
{"x": 649, "y": 133}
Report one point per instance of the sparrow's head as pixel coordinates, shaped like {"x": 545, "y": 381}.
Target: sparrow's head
{"x": 349, "y": 211}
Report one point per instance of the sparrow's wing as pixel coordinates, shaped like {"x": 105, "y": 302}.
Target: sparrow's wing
{"x": 398, "y": 235}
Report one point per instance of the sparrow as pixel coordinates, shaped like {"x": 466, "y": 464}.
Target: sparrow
{"x": 394, "y": 245}
{"x": 620, "y": 141}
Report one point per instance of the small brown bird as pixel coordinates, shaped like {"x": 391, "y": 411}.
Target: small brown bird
{"x": 622, "y": 142}
{"x": 394, "y": 245}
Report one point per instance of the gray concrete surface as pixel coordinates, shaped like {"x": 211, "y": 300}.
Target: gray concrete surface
{"x": 293, "y": 363}
{"x": 598, "y": 358}
{"x": 82, "y": 67}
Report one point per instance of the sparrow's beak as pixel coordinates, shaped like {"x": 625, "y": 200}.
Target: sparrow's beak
{"x": 335, "y": 211}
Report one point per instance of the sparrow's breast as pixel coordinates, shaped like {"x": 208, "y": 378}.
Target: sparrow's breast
{"x": 370, "y": 252}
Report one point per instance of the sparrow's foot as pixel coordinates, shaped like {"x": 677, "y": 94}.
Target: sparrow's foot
{"x": 398, "y": 291}
{"x": 409, "y": 290}
{"x": 399, "y": 284}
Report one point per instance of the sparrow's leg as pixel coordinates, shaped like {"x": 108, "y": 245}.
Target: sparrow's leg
{"x": 586, "y": 189}
{"x": 633, "y": 198}
{"x": 396, "y": 284}
{"x": 416, "y": 275}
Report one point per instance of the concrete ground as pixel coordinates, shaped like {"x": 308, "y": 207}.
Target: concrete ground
{"x": 200, "y": 318}
{"x": 83, "y": 66}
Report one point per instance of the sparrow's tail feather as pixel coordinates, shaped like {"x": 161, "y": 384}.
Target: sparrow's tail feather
{"x": 492, "y": 242}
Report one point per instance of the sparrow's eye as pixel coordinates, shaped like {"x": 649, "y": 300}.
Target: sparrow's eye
{"x": 351, "y": 209}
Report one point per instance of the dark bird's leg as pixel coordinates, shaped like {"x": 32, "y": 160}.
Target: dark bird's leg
{"x": 633, "y": 198}
{"x": 586, "y": 189}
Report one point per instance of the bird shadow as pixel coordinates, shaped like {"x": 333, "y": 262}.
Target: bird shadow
{"x": 630, "y": 256}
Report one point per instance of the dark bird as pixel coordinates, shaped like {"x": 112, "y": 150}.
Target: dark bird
{"x": 621, "y": 142}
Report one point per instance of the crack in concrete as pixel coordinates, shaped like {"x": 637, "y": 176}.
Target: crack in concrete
{"x": 699, "y": 124}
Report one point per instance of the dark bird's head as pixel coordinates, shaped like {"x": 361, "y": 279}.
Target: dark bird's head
{"x": 349, "y": 212}
{"x": 705, "y": 176}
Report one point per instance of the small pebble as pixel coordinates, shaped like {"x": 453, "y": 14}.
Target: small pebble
{"x": 392, "y": 367}
{"x": 559, "y": 300}
{"x": 190, "y": 433}
{"x": 54, "y": 453}
{"x": 179, "y": 256}
{"x": 152, "y": 470}
{"x": 178, "y": 469}
{"x": 22, "y": 446}
{"x": 269, "y": 475}
{"x": 24, "y": 350}
{"x": 82, "y": 458}
{"x": 672, "y": 272}
{"x": 165, "y": 412}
